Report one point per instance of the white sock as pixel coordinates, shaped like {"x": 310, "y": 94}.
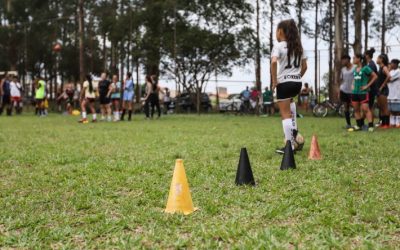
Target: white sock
{"x": 392, "y": 120}
{"x": 84, "y": 115}
{"x": 294, "y": 114}
{"x": 94, "y": 116}
{"x": 288, "y": 128}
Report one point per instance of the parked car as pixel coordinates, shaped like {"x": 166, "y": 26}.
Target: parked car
{"x": 233, "y": 103}
{"x": 187, "y": 102}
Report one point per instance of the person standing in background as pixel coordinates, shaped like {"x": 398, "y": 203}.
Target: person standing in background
{"x": 305, "y": 97}
{"x": 88, "y": 96}
{"x": 5, "y": 91}
{"x": 268, "y": 101}
{"x": 346, "y": 87}
{"x": 105, "y": 90}
{"x": 116, "y": 96}
{"x": 394, "y": 93}
{"x": 129, "y": 93}
{"x": 373, "y": 90}
{"x": 40, "y": 96}
{"x": 16, "y": 93}
{"x": 383, "y": 90}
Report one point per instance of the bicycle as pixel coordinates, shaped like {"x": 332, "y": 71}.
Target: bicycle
{"x": 328, "y": 107}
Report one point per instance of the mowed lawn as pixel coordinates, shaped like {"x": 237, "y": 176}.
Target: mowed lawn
{"x": 65, "y": 185}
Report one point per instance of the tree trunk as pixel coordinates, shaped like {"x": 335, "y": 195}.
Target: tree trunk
{"x": 271, "y": 36}
{"x": 383, "y": 29}
{"x": 334, "y": 89}
{"x": 357, "y": 26}
{"x": 104, "y": 52}
{"x": 258, "y": 47}
{"x": 366, "y": 22}
{"x": 258, "y": 53}
{"x": 198, "y": 100}
{"x": 347, "y": 9}
{"x": 316, "y": 49}
{"x": 331, "y": 24}
{"x": 300, "y": 11}
{"x": 81, "y": 42}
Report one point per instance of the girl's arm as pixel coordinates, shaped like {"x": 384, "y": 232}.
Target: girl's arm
{"x": 147, "y": 92}
{"x": 303, "y": 67}
{"x": 387, "y": 79}
{"x": 372, "y": 79}
{"x": 110, "y": 90}
{"x": 274, "y": 71}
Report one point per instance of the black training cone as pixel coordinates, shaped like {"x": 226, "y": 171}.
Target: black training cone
{"x": 244, "y": 175}
{"x": 288, "y": 161}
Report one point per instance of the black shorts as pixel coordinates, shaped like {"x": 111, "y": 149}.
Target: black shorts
{"x": 384, "y": 91}
{"x": 360, "y": 98}
{"x": 287, "y": 90}
{"x": 105, "y": 100}
{"x": 90, "y": 100}
{"x": 6, "y": 99}
{"x": 344, "y": 97}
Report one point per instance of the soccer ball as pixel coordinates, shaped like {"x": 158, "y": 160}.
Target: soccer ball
{"x": 76, "y": 112}
{"x": 298, "y": 143}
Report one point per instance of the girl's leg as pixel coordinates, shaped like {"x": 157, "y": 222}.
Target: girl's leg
{"x": 357, "y": 114}
{"x": 130, "y": 110}
{"x": 158, "y": 107}
{"x": 368, "y": 114}
{"x": 385, "y": 110}
{"x": 109, "y": 112}
{"x": 288, "y": 123}
{"x": 93, "y": 110}
{"x": 146, "y": 107}
{"x": 123, "y": 110}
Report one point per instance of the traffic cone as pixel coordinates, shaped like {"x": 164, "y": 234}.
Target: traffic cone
{"x": 179, "y": 199}
{"x": 315, "y": 153}
{"x": 288, "y": 161}
{"x": 244, "y": 174}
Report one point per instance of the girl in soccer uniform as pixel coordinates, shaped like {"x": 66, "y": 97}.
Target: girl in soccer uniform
{"x": 288, "y": 54}
{"x": 364, "y": 77}
{"x": 394, "y": 93}
{"x": 116, "y": 96}
{"x": 88, "y": 96}
{"x": 373, "y": 90}
{"x": 383, "y": 90}
{"x": 129, "y": 93}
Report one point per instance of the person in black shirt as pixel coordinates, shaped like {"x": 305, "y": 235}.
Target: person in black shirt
{"x": 5, "y": 95}
{"x": 373, "y": 90}
{"x": 383, "y": 89}
{"x": 105, "y": 90}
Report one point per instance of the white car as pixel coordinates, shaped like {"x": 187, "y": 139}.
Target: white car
{"x": 233, "y": 103}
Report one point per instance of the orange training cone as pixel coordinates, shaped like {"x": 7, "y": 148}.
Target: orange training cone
{"x": 179, "y": 199}
{"x": 315, "y": 153}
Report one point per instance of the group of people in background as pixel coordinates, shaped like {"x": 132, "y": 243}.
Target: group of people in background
{"x": 362, "y": 82}
{"x": 116, "y": 98}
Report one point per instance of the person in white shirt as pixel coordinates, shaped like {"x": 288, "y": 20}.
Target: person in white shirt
{"x": 394, "y": 93}
{"x": 15, "y": 90}
{"x": 88, "y": 96}
{"x": 346, "y": 86}
{"x": 288, "y": 57}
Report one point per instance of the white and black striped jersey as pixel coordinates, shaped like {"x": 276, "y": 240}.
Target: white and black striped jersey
{"x": 289, "y": 66}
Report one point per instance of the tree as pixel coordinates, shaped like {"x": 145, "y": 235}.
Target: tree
{"x": 367, "y": 14}
{"x": 81, "y": 42}
{"x": 334, "y": 86}
{"x": 357, "y": 26}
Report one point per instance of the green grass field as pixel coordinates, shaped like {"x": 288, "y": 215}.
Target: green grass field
{"x": 65, "y": 185}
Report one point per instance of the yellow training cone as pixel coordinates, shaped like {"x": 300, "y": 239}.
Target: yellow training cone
{"x": 179, "y": 199}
